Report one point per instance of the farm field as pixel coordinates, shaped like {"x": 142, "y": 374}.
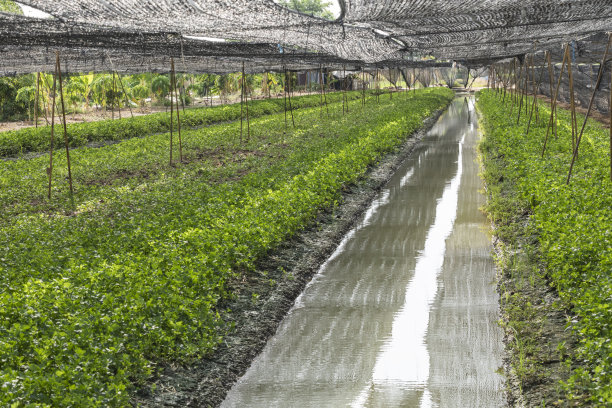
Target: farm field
{"x": 554, "y": 235}
{"x": 94, "y": 297}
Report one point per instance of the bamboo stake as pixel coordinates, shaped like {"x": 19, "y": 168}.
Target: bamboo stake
{"x": 517, "y": 85}
{"x": 550, "y": 77}
{"x": 554, "y": 105}
{"x": 36, "y": 103}
{"x": 50, "y": 168}
{"x": 241, "y": 105}
{"x": 522, "y": 88}
{"x": 59, "y": 74}
{"x": 246, "y": 102}
{"x": 321, "y": 91}
{"x": 325, "y": 95}
{"x": 178, "y": 115}
{"x": 572, "y": 101}
{"x": 125, "y": 94}
{"x": 171, "y": 112}
{"x": 610, "y": 107}
{"x": 534, "y": 106}
{"x": 285, "y": 95}
{"x": 290, "y": 105}
{"x": 602, "y": 68}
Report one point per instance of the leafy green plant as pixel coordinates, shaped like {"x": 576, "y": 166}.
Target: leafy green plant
{"x": 572, "y": 223}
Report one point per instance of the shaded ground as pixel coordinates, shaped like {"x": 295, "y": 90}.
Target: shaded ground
{"x": 262, "y": 298}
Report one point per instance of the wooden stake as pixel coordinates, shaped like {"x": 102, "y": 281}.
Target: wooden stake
{"x": 125, "y": 94}
{"x": 171, "y": 111}
{"x": 178, "y": 115}
{"x": 573, "y": 118}
{"x": 246, "y": 102}
{"x": 59, "y": 74}
{"x": 550, "y": 77}
{"x": 610, "y": 107}
{"x": 241, "y": 104}
{"x": 36, "y": 103}
{"x": 290, "y": 105}
{"x": 554, "y": 105}
{"x": 602, "y": 68}
{"x": 50, "y": 168}
{"x": 534, "y": 106}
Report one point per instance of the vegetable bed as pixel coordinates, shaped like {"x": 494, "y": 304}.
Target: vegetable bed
{"x": 92, "y": 300}
{"x": 18, "y": 142}
{"x": 573, "y": 223}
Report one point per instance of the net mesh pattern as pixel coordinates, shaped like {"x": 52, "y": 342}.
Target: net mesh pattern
{"x": 141, "y": 35}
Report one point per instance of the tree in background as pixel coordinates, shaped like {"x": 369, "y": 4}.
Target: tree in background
{"x": 317, "y": 8}
{"x": 8, "y": 6}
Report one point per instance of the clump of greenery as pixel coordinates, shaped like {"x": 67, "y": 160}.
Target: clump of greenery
{"x": 8, "y": 6}
{"x": 572, "y": 224}
{"x": 317, "y": 8}
{"x": 92, "y": 301}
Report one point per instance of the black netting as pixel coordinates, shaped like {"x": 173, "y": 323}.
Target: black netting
{"x": 141, "y": 35}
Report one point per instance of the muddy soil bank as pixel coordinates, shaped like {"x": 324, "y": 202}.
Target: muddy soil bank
{"x": 263, "y": 297}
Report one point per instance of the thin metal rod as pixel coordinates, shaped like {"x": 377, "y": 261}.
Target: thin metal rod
{"x": 602, "y": 68}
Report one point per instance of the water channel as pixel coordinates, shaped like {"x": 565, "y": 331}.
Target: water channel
{"x": 404, "y": 313}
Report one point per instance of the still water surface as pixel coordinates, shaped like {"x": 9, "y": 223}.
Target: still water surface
{"x": 404, "y": 313}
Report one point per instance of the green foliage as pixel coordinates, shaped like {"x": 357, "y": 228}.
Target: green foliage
{"x": 38, "y": 139}
{"x": 92, "y": 301}
{"x": 317, "y": 8}
{"x": 573, "y": 223}
{"x": 8, "y": 6}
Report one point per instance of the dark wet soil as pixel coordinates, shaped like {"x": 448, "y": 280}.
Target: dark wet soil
{"x": 262, "y": 298}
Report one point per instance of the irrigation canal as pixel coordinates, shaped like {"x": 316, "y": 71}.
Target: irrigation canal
{"x": 404, "y": 313}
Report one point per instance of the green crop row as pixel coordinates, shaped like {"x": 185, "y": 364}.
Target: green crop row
{"x": 91, "y": 301}
{"x": 18, "y": 142}
{"x": 573, "y": 222}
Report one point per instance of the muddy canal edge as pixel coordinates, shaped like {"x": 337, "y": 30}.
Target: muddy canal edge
{"x": 265, "y": 296}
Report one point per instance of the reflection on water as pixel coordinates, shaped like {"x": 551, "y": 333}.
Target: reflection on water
{"x": 403, "y": 313}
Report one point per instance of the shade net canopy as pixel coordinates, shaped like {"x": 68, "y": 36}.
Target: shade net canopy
{"x": 142, "y": 35}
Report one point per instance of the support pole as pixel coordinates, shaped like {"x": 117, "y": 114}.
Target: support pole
{"x": 241, "y": 105}
{"x": 321, "y": 91}
{"x": 171, "y": 111}
{"x": 554, "y": 105}
{"x": 550, "y": 77}
{"x": 517, "y": 86}
{"x": 610, "y": 107}
{"x": 246, "y": 102}
{"x": 50, "y": 168}
{"x": 37, "y": 100}
{"x": 573, "y": 119}
{"x": 602, "y": 68}
{"x": 285, "y": 96}
{"x": 59, "y": 74}
{"x": 534, "y": 106}
{"x": 178, "y": 115}
{"x": 290, "y": 105}
{"x": 125, "y": 94}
